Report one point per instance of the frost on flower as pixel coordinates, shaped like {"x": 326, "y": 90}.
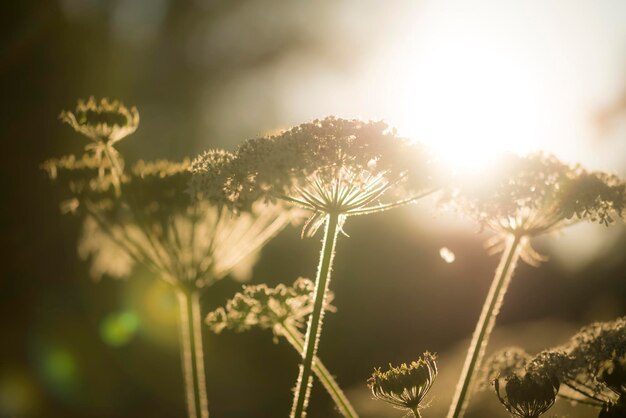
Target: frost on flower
{"x": 536, "y": 194}
{"x": 326, "y": 166}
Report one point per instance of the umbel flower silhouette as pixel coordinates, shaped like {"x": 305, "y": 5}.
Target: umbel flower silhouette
{"x": 283, "y": 310}
{"x": 335, "y": 168}
{"x": 144, "y": 217}
{"x": 406, "y": 386}
{"x": 533, "y": 195}
{"x": 528, "y": 396}
{"x": 104, "y": 123}
{"x": 591, "y": 366}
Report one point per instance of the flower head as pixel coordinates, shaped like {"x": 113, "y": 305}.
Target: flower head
{"x": 327, "y": 166}
{"x": 536, "y": 194}
{"x": 155, "y": 224}
{"x": 591, "y": 365}
{"x": 405, "y": 386}
{"x": 529, "y": 396}
{"x": 103, "y": 121}
{"x": 266, "y": 307}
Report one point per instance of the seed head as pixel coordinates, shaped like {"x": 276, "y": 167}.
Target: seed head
{"x": 102, "y": 121}
{"x": 266, "y": 307}
{"x": 328, "y": 165}
{"x": 538, "y": 193}
{"x": 405, "y": 386}
{"x": 529, "y": 396}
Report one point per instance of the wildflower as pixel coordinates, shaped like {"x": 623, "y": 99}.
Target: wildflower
{"x": 281, "y": 309}
{"x": 104, "y": 123}
{"x": 534, "y": 195}
{"x": 405, "y": 386}
{"x": 143, "y": 217}
{"x": 266, "y": 307}
{"x": 529, "y": 396}
{"x": 591, "y": 366}
{"x": 538, "y": 194}
{"x": 332, "y": 167}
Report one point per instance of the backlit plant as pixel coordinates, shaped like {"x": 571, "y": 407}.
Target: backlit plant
{"x": 282, "y": 309}
{"x": 143, "y": 216}
{"x": 405, "y": 387}
{"x": 334, "y": 168}
{"x": 530, "y": 196}
{"x": 591, "y": 367}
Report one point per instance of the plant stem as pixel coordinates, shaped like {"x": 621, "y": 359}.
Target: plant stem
{"x": 416, "y": 412}
{"x": 314, "y": 327}
{"x": 192, "y": 355}
{"x": 485, "y": 325}
{"x": 296, "y": 339}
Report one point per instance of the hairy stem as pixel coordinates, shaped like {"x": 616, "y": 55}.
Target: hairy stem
{"x": 314, "y": 327}
{"x": 192, "y": 355}
{"x": 296, "y": 339}
{"x": 485, "y": 325}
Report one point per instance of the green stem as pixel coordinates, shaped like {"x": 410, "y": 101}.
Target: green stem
{"x": 192, "y": 355}
{"x": 314, "y": 327}
{"x": 296, "y": 339}
{"x": 485, "y": 325}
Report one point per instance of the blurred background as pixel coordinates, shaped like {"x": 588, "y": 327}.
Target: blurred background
{"x": 471, "y": 78}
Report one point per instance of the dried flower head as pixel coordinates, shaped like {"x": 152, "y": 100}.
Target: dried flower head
{"x": 537, "y": 194}
{"x": 327, "y": 166}
{"x": 405, "y": 386}
{"x": 528, "y": 396}
{"x": 266, "y": 307}
{"x": 154, "y": 223}
{"x": 102, "y": 121}
{"x": 591, "y": 366}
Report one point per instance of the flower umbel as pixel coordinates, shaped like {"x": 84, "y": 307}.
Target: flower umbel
{"x": 104, "y": 123}
{"x": 266, "y": 307}
{"x": 405, "y": 386}
{"x": 537, "y": 194}
{"x": 529, "y": 396}
{"x": 281, "y": 309}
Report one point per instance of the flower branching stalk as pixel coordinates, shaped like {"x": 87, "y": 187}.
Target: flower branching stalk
{"x": 591, "y": 366}
{"x": 405, "y": 387}
{"x": 334, "y": 168}
{"x": 534, "y": 195}
{"x": 142, "y": 216}
{"x": 282, "y": 309}
{"x": 105, "y": 123}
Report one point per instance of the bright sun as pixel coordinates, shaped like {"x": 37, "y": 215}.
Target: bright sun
{"x": 469, "y": 94}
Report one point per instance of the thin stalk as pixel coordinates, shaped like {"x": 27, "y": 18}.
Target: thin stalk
{"x": 416, "y": 412}
{"x": 296, "y": 339}
{"x": 314, "y": 327}
{"x": 485, "y": 325}
{"x": 191, "y": 353}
